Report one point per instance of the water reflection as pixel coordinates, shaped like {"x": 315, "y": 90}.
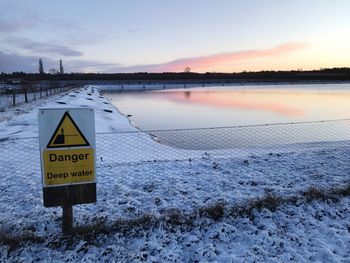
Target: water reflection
{"x": 223, "y": 107}
{"x": 204, "y": 107}
{"x": 258, "y": 101}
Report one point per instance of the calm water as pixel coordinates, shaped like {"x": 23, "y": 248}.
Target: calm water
{"x": 234, "y": 106}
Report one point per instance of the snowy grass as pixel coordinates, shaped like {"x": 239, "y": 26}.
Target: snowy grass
{"x": 174, "y": 218}
{"x": 14, "y": 241}
{"x": 279, "y": 206}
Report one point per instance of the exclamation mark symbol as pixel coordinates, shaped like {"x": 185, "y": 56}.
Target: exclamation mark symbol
{"x": 59, "y": 138}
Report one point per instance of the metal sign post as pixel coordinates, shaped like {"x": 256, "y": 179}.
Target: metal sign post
{"x": 67, "y": 150}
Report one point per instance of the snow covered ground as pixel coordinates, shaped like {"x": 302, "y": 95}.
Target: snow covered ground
{"x": 172, "y": 209}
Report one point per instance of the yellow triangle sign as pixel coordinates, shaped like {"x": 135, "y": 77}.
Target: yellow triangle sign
{"x": 67, "y": 134}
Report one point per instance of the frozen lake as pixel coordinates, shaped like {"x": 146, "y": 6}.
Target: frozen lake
{"x": 240, "y": 106}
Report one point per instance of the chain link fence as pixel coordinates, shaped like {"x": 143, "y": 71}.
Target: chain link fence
{"x": 186, "y": 144}
{"x": 151, "y": 172}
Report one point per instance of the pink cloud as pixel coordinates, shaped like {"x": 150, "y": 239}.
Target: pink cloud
{"x": 205, "y": 63}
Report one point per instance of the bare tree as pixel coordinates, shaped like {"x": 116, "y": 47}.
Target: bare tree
{"x": 187, "y": 70}
{"x": 53, "y": 71}
{"x": 41, "y": 67}
{"x": 61, "y": 67}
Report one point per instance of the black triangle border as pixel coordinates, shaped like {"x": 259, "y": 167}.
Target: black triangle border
{"x": 66, "y": 114}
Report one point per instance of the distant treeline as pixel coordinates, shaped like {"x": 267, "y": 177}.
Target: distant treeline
{"x": 329, "y": 74}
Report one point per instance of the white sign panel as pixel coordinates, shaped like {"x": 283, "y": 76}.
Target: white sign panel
{"x": 67, "y": 146}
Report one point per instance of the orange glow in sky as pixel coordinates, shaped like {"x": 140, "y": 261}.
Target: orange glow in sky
{"x": 169, "y": 36}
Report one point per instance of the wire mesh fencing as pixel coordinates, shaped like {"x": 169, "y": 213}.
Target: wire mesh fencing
{"x": 220, "y": 142}
{"x": 22, "y": 155}
{"x": 147, "y": 172}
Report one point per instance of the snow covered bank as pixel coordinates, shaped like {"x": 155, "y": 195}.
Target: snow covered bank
{"x": 301, "y": 232}
{"x": 313, "y": 232}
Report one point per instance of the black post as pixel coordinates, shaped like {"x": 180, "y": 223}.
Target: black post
{"x": 25, "y": 95}
{"x": 13, "y": 97}
{"x": 67, "y": 219}
{"x": 40, "y": 92}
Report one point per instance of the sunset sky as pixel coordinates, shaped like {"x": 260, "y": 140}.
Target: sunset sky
{"x": 163, "y": 36}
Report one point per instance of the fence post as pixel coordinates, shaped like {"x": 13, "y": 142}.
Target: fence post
{"x": 67, "y": 219}
{"x": 13, "y": 98}
{"x": 25, "y": 95}
{"x": 40, "y": 92}
{"x": 47, "y": 92}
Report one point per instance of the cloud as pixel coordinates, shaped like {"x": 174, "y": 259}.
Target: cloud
{"x": 205, "y": 63}
{"x": 18, "y": 17}
{"x": 11, "y": 62}
{"x": 92, "y": 66}
{"x": 8, "y": 25}
{"x": 133, "y": 30}
{"x": 17, "y": 62}
{"x": 72, "y": 33}
{"x": 42, "y": 48}
{"x": 15, "y": 18}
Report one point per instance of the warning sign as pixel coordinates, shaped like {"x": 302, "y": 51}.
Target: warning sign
{"x": 67, "y": 148}
{"x": 67, "y": 134}
{"x": 68, "y": 166}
